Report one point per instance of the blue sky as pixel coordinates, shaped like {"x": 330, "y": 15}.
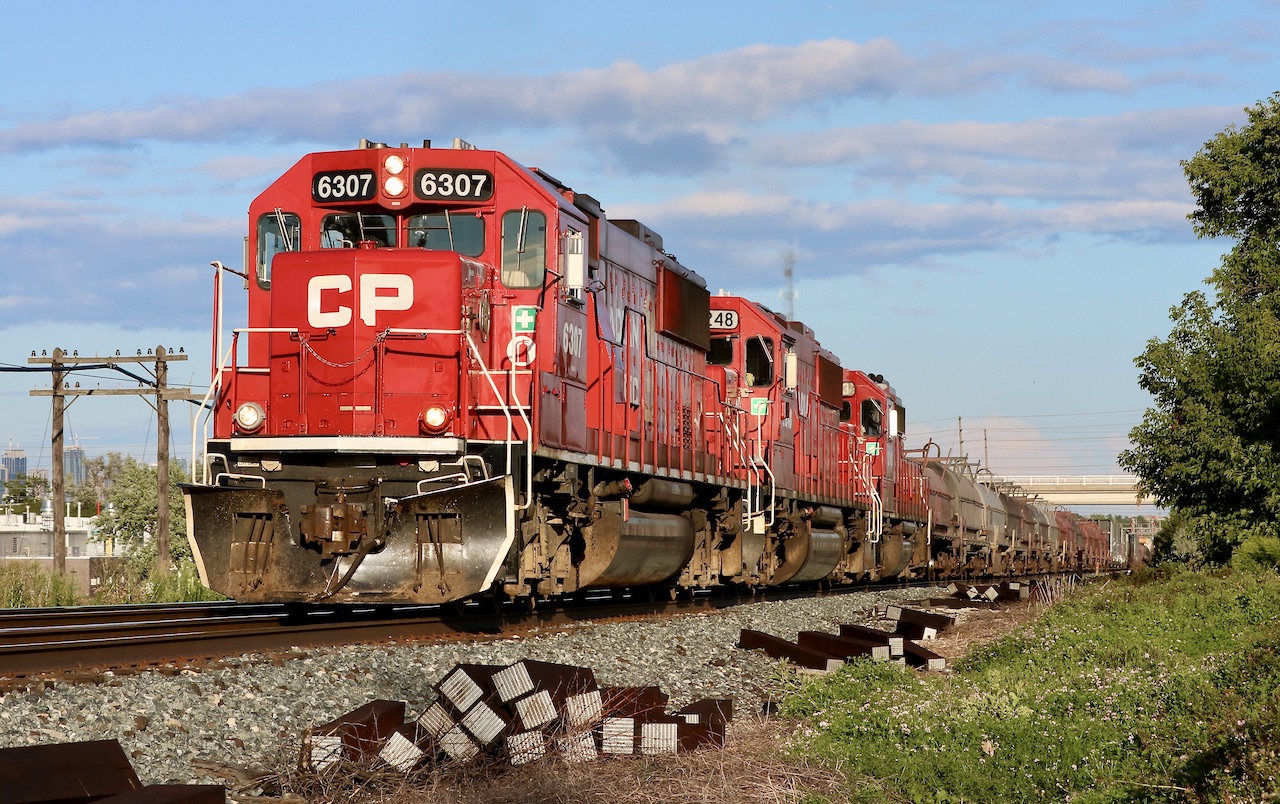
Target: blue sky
{"x": 984, "y": 201}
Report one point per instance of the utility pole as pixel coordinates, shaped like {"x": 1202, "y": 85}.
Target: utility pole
{"x": 58, "y": 491}
{"x": 162, "y": 460}
{"x": 146, "y": 387}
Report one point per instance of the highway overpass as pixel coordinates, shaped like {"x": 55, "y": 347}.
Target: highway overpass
{"x": 1077, "y": 489}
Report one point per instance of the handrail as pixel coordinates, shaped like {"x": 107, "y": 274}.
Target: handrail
{"x": 215, "y": 387}
{"x": 226, "y": 359}
{"x": 862, "y": 466}
{"x": 759, "y": 459}
{"x": 506, "y": 408}
{"x": 738, "y": 446}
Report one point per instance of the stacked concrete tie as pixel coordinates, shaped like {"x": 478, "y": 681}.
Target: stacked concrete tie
{"x": 518, "y": 713}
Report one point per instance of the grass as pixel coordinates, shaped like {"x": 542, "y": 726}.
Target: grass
{"x": 1155, "y": 688}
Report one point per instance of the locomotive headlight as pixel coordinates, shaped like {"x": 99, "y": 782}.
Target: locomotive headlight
{"x": 394, "y": 164}
{"x": 435, "y": 419}
{"x": 250, "y": 417}
{"x": 393, "y": 186}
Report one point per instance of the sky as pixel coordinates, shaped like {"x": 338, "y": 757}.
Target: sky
{"x": 983, "y": 202}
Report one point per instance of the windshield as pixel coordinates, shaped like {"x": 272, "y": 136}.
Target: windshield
{"x": 346, "y": 230}
{"x": 447, "y": 231}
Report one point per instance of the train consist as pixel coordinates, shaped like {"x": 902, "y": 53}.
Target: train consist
{"x": 458, "y": 378}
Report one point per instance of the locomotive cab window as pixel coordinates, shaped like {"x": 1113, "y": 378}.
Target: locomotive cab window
{"x": 758, "y": 361}
{"x": 872, "y": 419}
{"x": 721, "y": 352}
{"x": 277, "y": 231}
{"x": 346, "y": 230}
{"x": 445, "y": 231}
{"x": 846, "y": 411}
{"x": 524, "y": 248}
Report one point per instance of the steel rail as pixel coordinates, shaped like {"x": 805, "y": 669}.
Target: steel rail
{"x": 76, "y": 640}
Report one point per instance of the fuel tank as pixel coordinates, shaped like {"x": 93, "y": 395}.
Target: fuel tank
{"x": 809, "y": 556}
{"x": 630, "y": 547}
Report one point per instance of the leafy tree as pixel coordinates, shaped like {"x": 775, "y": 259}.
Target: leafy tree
{"x": 26, "y": 492}
{"x": 99, "y": 474}
{"x": 130, "y": 520}
{"x": 1209, "y": 447}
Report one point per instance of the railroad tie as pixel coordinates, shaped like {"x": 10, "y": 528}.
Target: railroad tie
{"x": 919, "y": 656}
{"x": 522, "y": 713}
{"x": 843, "y": 646}
{"x": 780, "y": 648}
{"x": 916, "y": 624}
{"x": 876, "y": 635}
{"x": 169, "y": 794}
{"x": 91, "y": 771}
{"x": 356, "y": 736}
{"x": 65, "y": 772}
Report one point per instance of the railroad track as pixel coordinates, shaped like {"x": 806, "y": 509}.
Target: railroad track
{"x": 81, "y": 639}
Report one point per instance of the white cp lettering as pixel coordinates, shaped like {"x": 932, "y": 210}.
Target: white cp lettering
{"x": 324, "y": 291}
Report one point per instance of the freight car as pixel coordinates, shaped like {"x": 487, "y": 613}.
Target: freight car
{"x": 459, "y": 377}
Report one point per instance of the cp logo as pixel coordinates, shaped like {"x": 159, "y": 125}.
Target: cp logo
{"x": 378, "y": 293}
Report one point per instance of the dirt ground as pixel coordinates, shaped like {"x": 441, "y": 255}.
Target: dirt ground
{"x": 976, "y": 627}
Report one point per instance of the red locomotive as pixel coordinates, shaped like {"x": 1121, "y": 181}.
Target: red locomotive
{"x": 459, "y": 377}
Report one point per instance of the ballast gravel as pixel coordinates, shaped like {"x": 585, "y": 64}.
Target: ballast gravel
{"x": 252, "y": 711}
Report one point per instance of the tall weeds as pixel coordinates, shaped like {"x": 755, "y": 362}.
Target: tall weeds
{"x": 26, "y": 584}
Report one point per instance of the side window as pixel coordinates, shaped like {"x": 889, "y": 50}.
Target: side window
{"x": 347, "y": 230}
{"x": 721, "y": 352}
{"x": 846, "y": 411}
{"x": 758, "y": 361}
{"x": 524, "y": 248}
{"x": 872, "y": 419}
{"x": 444, "y": 231}
{"x": 277, "y": 231}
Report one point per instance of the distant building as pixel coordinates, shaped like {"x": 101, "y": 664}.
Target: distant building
{"x": 30, "y": 535}
{"x": 73, "y": 464}
{"x": 28, "y": 538}
{"x": 13, "y": 464}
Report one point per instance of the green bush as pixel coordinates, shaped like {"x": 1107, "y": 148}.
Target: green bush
{"x": 1258, "y": 553}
